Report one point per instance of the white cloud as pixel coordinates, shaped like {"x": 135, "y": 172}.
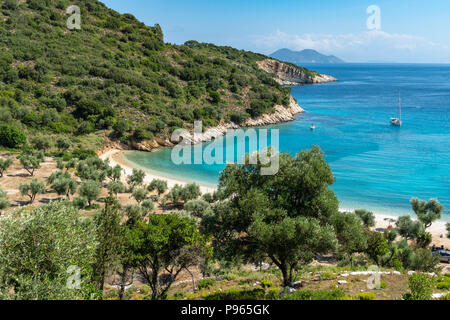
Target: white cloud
{"x": 370, "y": 45}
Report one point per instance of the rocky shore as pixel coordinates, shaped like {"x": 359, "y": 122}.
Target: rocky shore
{"x": 286, "y": 74}
{"x": 290, "y": 75}
{"x": 279, "y": 115}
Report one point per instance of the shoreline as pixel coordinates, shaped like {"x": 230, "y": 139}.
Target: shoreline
{"x": 115, "y": 157}
{"x": 382, "y": 220}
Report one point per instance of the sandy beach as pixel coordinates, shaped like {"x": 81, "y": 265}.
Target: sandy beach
{"x": 116, "y": 157}
{"x": 383, "y": 221}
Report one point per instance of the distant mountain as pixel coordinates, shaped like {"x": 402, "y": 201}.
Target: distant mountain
{"x": 304, "y": 56}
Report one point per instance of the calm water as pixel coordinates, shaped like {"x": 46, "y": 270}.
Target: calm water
{"x": 377, "y": 166}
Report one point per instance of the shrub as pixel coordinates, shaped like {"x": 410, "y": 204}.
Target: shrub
{"x": 179, "y": 295}
{"x": 444, "y": 282}
{"x": 420, "y": 286}
{"x": 80, "y": 203}
{"x": 4, "y": 202}
{"x": 266, "y": 284}
{"x": 365, "y": 296}
{"x": 334, "y": 294}
{"x": 273, "y": 294}
{"x": 206, "y": 283}
{"x": 239, "y": 117}
{"x": 444, "y": 285}
{"x": 11, "y": 136}
{"x": 41, "y": 142}
{"x": 367, "y": 217}
{"x": 83, "y": 154}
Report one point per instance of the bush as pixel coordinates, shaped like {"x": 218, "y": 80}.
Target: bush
{"x": 266, "y": 284}
{"x": 334, "y": 294}
{"x": 420, "y": 286}
{"x": 206, "y": 283}
{"x": 11, "y": 136}
{"x": 444, "y": 282}
{"x": 365, "y": 296}
{"x": 83, "y": 154}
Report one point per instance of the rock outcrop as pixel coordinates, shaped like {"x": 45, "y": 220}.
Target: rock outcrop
{"x": 290, "y": 75}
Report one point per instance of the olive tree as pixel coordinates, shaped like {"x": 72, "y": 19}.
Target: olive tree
{"x": 164, "y": 246}
{"x": 32, "y": 189}
{"x": 31, "y": 161}
{"x": 284, "y": 217}
{"x": 135, "y": 179}
{"x": 116, "y": 187}
{"x": 140, "y": 194}
{"x": 90, "y": 190}
{"x": 92, "y": 168}
{"x": 190, "y": 192}
{"x": 41, "y": 143}
{"x": 160, "y": 186}
{"x": 427, "y": 212}
{"x": 63, "y": 143}
{"x": 4, "y": 165}
{"x": 41, "y": 250}
{"x": 114, "y": 173}
{"x": 197, "y": 207}
{"x": 367, "y": 217}
{"x": 63, "y": 184}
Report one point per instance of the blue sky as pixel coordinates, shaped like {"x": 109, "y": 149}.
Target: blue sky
{"x": 411, "y": 31}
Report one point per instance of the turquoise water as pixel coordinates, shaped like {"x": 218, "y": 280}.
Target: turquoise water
{"x": 376, "y": 166}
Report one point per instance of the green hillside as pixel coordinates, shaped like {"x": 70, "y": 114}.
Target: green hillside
{"x": 116, "y": 72}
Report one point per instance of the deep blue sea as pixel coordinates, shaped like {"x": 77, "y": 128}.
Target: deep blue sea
{"x": 377, "y": 166}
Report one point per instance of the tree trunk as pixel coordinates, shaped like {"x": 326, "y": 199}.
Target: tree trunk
{"x": 155, "y": 281}
{"x": 193, "y": 280}
{"x": 285, "y": 274}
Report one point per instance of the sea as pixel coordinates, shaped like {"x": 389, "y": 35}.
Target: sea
{"x": 377, "y": 166}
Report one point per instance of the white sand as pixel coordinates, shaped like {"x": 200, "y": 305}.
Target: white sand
{"x": 115, "y": 158}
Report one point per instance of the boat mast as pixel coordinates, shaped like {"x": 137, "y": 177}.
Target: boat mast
{"x": 400, "y": 105}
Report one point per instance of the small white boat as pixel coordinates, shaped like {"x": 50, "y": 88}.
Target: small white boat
{"x": 313, "y": 127}
{"x": 398, "y": 121}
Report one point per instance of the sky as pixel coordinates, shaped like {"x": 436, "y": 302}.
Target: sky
{"x": 404, "y": 31}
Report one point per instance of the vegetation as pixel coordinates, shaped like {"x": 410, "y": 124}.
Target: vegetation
{"x": 421, "y": 286}
{"x": 275, "y": 217}
{"x": 165, "y": 243}
{"x": 32, "y": 189}
{"x": 40, "y": 248}
{"x": 4, "y": 201}
{"x": 116, "y": 75}
{"x": 4, "y": 165}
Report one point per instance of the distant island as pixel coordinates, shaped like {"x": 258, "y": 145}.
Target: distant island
{"x": 304, "y": 56}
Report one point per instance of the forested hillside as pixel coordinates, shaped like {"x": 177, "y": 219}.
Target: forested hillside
{"x": 117, "y": 73}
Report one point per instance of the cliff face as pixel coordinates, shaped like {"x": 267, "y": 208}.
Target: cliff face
{"x": 290, "y": 75}
{"x": 280, "y": 114}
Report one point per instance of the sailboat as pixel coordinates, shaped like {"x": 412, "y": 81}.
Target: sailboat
{"x": 398, "y": 121}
